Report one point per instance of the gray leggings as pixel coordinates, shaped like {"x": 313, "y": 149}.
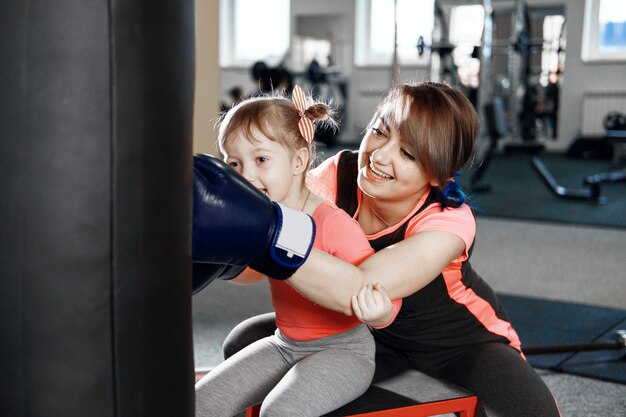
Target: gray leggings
{"x": 291, "y": 378}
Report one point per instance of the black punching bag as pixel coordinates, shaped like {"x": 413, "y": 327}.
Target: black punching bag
{"x": 96, "y": 103}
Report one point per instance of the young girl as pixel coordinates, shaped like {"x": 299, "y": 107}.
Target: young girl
{"x": 318, "y": 359}
{"x": 399, "y": 188}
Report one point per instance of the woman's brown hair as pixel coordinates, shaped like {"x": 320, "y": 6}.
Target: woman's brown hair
{"x": 438, "y": 124}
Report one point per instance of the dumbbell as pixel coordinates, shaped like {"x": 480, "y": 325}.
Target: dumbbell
{"x": 442, "y": 47}
{"x": 614, "y": 120}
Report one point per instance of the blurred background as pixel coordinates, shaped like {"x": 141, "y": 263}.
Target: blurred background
{"x": 548, "y": 80}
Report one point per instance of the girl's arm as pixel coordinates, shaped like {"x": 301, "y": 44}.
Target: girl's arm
{"x": 402, "y": 269}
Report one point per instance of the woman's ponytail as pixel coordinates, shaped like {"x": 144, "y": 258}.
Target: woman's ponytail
{"x": 452, "y": 195}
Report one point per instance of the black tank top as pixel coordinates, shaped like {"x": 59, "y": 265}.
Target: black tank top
{"x": 429, "y": 319}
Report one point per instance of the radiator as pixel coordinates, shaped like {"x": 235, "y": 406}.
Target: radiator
{"x": 596, "y": 105}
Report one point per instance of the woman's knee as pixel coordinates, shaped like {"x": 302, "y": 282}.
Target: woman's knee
{"x": 278, "y": 407}
{"x": 505, "y": 383}
{"x": 248, "y": 332}
{"x": 275, "y": 409}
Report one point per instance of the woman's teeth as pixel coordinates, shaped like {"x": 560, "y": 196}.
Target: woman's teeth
{"x": 379, "y": 173}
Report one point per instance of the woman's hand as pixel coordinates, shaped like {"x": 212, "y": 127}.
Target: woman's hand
{"x": 372, "y": 305}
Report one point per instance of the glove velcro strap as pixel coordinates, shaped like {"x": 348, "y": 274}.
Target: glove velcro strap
{"x": 294, "y": 238}
{"x": 294, "y": 233}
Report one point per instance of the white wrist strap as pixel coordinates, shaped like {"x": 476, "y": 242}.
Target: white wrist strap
{"x": 294, "y": 236}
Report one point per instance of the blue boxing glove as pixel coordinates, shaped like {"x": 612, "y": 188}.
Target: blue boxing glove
{"x": 236, "y": 224}
{"x": 205, "y": 273}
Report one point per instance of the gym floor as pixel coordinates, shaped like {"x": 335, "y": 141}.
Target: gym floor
{"x": 549, "y": 259}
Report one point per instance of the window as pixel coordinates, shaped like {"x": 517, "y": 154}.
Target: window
{"x": 466, "y": 33}
{"x": 253, "y": 30}
{"x": 604, "y": 36}
{"x": 306, "y": 49}
{"x": 466, "y": 25}
{"x": 375, "y": 27}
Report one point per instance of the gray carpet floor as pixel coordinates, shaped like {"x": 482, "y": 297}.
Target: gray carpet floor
{"x": 581, "y": 264}
{"x": 508, "y": 174}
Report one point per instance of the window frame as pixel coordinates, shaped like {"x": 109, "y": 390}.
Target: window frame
{"x": 227, "y": 25}
{"x": 363, "y": 56}
{"x": 591, "y": 28}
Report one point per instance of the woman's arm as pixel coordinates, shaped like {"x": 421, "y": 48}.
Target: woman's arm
{"x": 403, "y": 269}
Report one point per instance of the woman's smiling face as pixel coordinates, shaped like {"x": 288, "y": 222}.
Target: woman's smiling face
{"x": 387, "y": 169}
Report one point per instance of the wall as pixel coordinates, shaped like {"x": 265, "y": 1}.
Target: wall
{"x": 582, "y": 77}
{"x": 368, "y": 84}
{"x": 207, "y": 88}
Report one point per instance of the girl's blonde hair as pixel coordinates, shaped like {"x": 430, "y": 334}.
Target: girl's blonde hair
{"x": 438, "y": 124}
{"x": 276, "y": 117}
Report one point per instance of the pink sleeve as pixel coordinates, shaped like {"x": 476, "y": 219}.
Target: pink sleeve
{"x": 344, "y": 239}
{"x": 459, "y": 221}
{"x": 323, "y": 179}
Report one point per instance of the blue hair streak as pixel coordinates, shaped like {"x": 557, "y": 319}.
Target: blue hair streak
{"x": 452, "y": 195}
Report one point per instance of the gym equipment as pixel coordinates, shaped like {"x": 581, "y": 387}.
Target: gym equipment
{"x": 443, "y": 49}
{"x": 485, "y": 87}
{"x": 496, "y": 128}
{"x": 519, "y": 82}
{"x": 569, "y": 337}
{"x": 443, "y": 67}
{"x": 271, "y": 79}
{"x": 618, "y": 342}
{"x": 411, "y": 393}
{"x": 524, "y": 115}
{"x": 612, "y": 176}
{"x": 614, "y": 121}
{"x": 593, "y": 193}
{"x": 615, "y": 126}
{"x": 96, "y": 115}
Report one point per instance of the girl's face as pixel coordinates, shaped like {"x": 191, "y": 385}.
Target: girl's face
{"x": 267, "y": 164}
{"x": 387, "y": 169}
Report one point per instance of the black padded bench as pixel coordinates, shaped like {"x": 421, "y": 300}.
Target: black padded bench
{"x": 410, "y": 394}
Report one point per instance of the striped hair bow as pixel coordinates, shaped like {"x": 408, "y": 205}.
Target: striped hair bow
{"x": 305, "y": 125}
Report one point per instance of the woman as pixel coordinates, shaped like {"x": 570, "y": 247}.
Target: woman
{"x": 399, "y": 189}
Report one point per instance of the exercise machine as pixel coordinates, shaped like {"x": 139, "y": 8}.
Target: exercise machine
{"x": 496, "y": 128}
{"x": 617, "y": 342}
{"x": 522, "y": 110}
{"x": 615, "y": 127}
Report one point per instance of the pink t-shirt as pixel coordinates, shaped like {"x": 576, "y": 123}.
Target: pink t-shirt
{"x": 458, "y": 221}
{"x": 323, "y": 182}
{"x": 298, "y": 317}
